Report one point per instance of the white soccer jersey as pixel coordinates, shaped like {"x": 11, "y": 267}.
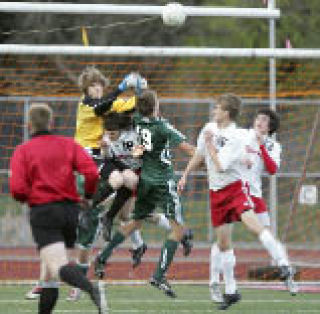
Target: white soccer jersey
{"x": 122, "y": 149}
{"x": 230, "y": 146}
{"x": 252, "y": 152}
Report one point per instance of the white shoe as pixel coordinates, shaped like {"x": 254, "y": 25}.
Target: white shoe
{"x": 74, "y": 294}
{"x": 215, "y": 293}
{"x": 287, "y": 275}
{"x": 34, "y": 293}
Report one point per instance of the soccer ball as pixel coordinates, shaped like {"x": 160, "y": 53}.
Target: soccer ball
{"x": 173, "y": 14}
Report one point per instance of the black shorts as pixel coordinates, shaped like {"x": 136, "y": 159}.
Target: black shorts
{"x": 54, "y": 222}
{"x": 109, "y": 165}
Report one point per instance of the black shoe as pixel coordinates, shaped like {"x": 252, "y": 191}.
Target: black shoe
{"x": 96, "y": 297}
{"x": 187, "y": 242}
{"x": 164, "y": 286}
{"x": 229, "y": 299}
{"x": 107, "y": 224}
{"x": 137, "y": 254}
{"x": 99, "y": 268}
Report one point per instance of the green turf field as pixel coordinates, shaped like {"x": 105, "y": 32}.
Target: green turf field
{"x": 145, "y": 299}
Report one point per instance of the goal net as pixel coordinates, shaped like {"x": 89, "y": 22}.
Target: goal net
{"x": 187, "y": 89}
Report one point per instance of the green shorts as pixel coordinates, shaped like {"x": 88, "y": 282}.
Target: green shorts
{"x": 151, "y": 195}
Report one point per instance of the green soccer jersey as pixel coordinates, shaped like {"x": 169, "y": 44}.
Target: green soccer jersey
{"x": 157, "y": 136}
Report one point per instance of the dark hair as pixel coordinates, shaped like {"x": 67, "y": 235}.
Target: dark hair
{"x": 274, "y": 120}
{"x": 40, "y": 116}
{"x": 146, "y": 102}
{"x": 231, "y": 103}
{"x": 114, "y": 121}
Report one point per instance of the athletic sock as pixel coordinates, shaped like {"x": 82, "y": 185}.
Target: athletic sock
{"x": 123, "y": 194}
{"x": 117, "y": 239}
{"x": 274, "y": 248}
{"x": 164, "y": 222}
{"x": 229, "y": 262}
{"x": 167, "y": 253}
{"x": 72, "y": 275}
{"x": 48, "y": 300}
{"x": 136, "y": 239}
{"x": 215, "y": 264}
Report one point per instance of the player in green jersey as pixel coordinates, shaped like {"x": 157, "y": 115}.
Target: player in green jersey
{"x": 156, "y": 188}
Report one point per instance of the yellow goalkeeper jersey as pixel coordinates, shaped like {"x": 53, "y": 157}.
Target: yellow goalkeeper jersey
{"x": 89, "y": 129}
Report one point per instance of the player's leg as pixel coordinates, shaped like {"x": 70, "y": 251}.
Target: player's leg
{"x": 130, "y": 181}
{"x": 264, "y": 218}
{"x": 273, "y": 246}
{"x": 215, "y": 271}
{"x": 168, "y": 251}
{"x": 117, "y": 239}
{"x": 169, "y": 200}
{"x": 228, "y": 261}
{"x": 138, "y": 246}
{"x": 221, "y": 211}
{"x": 35, "y": 292}
{"x": 143, "y": 207}
{"x": 55, "y": 257}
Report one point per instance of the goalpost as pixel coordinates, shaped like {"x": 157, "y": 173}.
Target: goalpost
{"x": 187, "y": 79}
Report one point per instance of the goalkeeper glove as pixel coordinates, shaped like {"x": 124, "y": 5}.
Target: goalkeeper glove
{"x": 129, "y": 80}
{"x": 141, "y": 84}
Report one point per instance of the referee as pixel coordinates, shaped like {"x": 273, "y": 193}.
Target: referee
{"x": 42, "y": 175}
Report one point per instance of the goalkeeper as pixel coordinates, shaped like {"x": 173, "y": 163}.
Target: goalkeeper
{"x": 89, "y": 131}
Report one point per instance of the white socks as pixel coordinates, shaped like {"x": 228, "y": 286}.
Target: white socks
{"x": 228, "y": 263}
{"x": 215, "y": 264}
{"x": 164, "y": 222}
{"x": 274, "y": 248}
{"x": 136, "y": 239}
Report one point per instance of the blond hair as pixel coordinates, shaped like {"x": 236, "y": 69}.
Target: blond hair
{"x": 40, "y": 116}
{"x": 89, "y": 76}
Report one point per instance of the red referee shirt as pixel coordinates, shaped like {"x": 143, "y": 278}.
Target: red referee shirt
{"x": 42, "y": 170}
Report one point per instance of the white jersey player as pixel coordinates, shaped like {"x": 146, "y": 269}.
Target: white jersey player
{"x": 262, "y": 154}
{"x": 223, "y": 150}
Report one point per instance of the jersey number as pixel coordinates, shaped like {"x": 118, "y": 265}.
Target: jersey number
{"x": 145, "y": 138}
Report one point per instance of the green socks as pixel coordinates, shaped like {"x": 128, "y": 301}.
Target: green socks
{"x": 167, "y": 253}
{"x": 117, "y": 239}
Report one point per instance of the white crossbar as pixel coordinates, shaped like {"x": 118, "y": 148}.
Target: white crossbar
{"x": 91, "y": 8}
{"x": 158, "y": 51}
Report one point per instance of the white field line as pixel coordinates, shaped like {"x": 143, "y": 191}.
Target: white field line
{"x": 125, "y": 301}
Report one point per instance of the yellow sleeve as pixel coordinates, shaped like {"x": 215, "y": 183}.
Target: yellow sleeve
{"x": 121, "y": 105}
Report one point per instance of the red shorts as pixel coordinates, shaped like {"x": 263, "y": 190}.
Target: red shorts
{"x": 259, "y": 204}
{"x": 229, "y": 203}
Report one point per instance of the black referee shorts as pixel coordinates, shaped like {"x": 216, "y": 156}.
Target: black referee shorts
{"x": 54, "y": 222}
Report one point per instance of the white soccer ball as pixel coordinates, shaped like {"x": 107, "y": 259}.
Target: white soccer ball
{"x": 173, "y": 14}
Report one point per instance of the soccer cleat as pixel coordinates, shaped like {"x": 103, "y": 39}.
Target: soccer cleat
{"x": 137, "y": 254}
{"x": 287, "y": 275}
{"x": 34, "y": 293}
{"x": 187, "y": 242}
{"x": 215, "y": 293}
{"x": 163, "y": 285}
{"x": 96, "y": 297}
{"x": 229, "y": 299}
{"x": 74, "y": 295}
{"x": 99, "y": 268}
{"x": 107, "y": 224}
